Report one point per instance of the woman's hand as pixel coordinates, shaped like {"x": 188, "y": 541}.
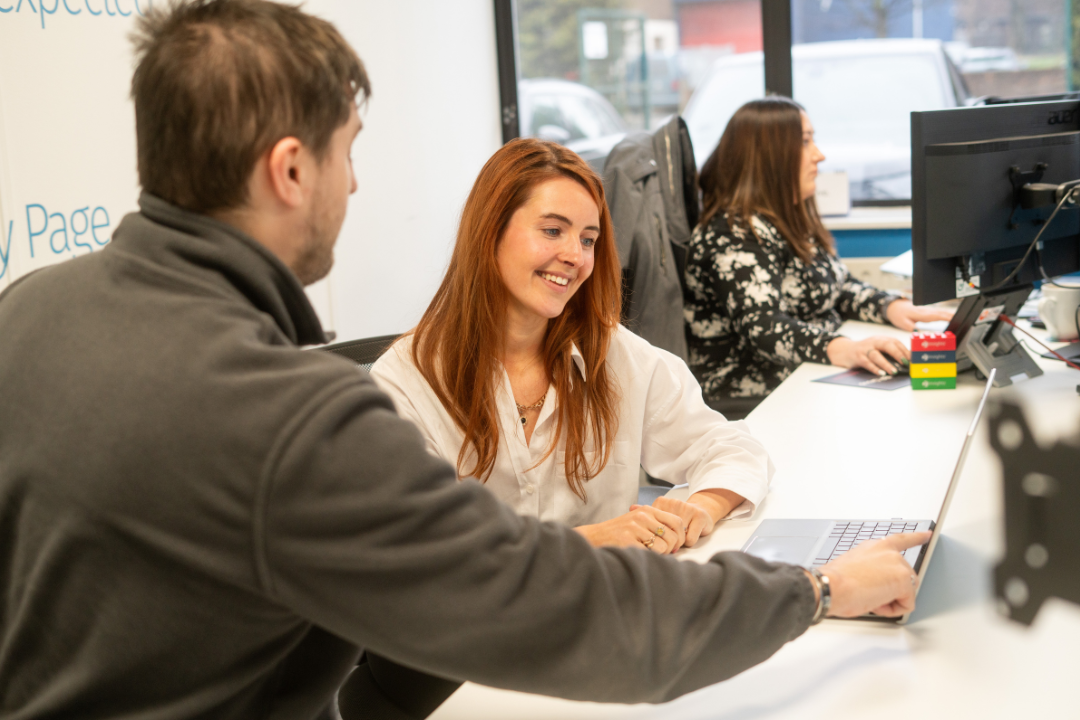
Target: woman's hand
{"x": 701, "y": 511}
{"x": 874, "y": 578}
{"x": 873, "y": 353}
{"x": 644, "y": 526}
{"x": 904, "y": 315}
{"x": 696, "y": 519}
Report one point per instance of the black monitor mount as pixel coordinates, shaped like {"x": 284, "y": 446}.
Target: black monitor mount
{"x": 1042, "y": 537}
{"x": 985, "y": 341}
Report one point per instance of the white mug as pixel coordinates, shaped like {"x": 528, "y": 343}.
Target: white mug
{"x": 1058, "y": 309}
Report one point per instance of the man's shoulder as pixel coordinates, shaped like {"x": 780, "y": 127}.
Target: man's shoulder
{"x": 69, "y": 275}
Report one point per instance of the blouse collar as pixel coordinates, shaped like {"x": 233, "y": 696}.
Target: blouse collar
{"x": 579, "y": 360}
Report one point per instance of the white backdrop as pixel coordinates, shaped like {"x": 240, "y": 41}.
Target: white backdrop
{"x": 67, "y": 143}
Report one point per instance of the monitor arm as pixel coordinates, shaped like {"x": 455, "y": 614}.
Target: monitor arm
{"x": 1038, "y": 194}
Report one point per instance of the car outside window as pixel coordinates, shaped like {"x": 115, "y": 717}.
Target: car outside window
{"x": 545, "y": 111}
{"x": 859, "y": 94}
{"x": 869, "y": 101}
{"x": 582, "y": 119}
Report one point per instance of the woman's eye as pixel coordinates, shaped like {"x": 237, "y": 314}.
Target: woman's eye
{"x": 551, "y": 232}
{"x": 588, "y": 241}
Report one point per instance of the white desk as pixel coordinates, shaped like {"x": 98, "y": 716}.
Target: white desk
{"x": 852, "y": 452}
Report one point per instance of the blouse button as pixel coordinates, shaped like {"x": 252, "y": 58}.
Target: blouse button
{"x": 530, "y": 488}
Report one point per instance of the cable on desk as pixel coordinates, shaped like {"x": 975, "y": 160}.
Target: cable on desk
{"x": 1059, "y": 356}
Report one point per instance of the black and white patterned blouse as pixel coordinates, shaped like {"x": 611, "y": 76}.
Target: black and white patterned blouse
{"x": 755, "y": 311}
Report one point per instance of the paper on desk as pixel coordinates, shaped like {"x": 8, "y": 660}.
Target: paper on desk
{"x": 902, "y": 265}
{"x": 864, "y": 379}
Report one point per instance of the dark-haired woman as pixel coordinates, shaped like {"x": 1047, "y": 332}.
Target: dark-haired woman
{"x": 765, "y": 290}
{"x": 520, "y": 374}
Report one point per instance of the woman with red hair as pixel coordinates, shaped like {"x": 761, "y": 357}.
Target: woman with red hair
{"x": 520, "y": 374}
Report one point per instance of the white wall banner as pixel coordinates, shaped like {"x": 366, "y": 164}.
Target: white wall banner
{"x": 68, "y": 170}
{"x": 67, "y": 129}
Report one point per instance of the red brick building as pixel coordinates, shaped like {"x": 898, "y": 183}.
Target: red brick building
{"x": 733, "y": 23}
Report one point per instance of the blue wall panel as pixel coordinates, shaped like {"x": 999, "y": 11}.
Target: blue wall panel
{"x": 872, "y": 243}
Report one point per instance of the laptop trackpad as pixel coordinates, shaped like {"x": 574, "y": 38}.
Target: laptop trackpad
{"x": 795, "y": 550}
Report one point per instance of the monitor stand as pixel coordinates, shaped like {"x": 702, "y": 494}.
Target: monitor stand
{"x": 985, "y": 341}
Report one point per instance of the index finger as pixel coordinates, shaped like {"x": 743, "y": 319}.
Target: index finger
{"x": 903, "y": 541}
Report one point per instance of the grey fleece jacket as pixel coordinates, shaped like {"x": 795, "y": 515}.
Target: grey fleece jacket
{"x": 197, "y": 519}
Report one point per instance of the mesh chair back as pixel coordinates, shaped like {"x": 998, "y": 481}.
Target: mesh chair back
{"x": 363, "y": 352}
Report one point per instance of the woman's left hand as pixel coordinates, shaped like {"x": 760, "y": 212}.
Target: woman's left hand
{"x": 700, "y": 512}
{"x": 695, "y": 519}
{"x": 904, "y": 315}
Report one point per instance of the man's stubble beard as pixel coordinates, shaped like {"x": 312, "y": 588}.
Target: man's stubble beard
{"x": 316, "y": 258}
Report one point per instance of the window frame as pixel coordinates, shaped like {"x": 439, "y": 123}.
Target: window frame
{"x": 776, "y": 42}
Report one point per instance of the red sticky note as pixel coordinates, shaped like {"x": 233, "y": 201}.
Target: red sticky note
{"x": 932, "y": 341}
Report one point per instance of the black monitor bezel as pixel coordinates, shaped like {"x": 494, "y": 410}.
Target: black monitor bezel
{"x": 935, "y": 280}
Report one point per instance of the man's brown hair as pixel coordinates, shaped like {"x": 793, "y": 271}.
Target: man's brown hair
{"x": 219, "y": 82}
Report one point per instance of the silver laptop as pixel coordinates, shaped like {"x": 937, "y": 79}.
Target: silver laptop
{"x": 812, "y": 543}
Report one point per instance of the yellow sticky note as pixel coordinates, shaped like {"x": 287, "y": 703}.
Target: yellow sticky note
{"x": 930, "y": 370}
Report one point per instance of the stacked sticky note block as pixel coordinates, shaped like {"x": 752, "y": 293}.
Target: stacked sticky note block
{"x": 933, "y": 361}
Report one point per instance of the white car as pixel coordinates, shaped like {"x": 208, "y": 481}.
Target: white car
{"x": 859, "y": 95}
{"x": 983, "y": 59}
{"x": 570, "y": 114}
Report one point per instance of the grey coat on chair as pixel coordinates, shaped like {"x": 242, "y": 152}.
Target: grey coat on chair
{"x": 651, "y": 185}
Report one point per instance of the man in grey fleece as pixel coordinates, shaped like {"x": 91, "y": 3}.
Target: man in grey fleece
{"x": 197, "y": 519}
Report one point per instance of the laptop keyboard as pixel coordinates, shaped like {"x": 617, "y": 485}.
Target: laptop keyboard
{"x": 846, "y": 535}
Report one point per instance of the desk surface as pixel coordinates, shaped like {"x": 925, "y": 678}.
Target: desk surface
{"x": 871, "y": 218}
{"x": 859, "y": 453}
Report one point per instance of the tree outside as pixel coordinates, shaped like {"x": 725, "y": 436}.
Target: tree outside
{"x": 548, "y": 36}
{"x": 879, "y": 15}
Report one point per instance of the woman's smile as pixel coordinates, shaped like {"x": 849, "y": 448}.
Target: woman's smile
{"x": 559, "y": 282}
{"x": 546, "y": 251}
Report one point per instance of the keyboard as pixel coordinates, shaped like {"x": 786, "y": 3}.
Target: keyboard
{"x": 847, "y": 534}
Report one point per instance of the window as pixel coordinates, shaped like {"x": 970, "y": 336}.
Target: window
{"x": 589, "y": 71}
{"x": 592, "y": 70}
{"x": 886, "y": 58}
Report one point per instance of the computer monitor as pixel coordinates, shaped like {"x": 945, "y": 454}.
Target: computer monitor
{"x": 975, "y": 216}
{"x": 967, "y": 230}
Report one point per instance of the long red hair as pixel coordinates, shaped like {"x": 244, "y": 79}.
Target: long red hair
{"x": 455, "y": 345}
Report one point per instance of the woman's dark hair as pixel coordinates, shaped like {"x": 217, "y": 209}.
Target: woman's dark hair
{"x": 755, "y": 170}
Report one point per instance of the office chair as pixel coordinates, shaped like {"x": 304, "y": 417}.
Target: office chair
{"x": 363, "y": 352}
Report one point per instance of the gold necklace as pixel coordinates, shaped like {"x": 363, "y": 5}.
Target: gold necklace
{"x": 522, "y": 408}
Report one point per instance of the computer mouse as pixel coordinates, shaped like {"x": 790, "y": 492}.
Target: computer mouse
{"x": 902, "y": 368}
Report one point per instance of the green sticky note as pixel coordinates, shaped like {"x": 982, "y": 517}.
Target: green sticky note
{"x": 936, "y": 383}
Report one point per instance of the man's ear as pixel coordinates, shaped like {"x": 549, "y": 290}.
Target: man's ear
{"x": 286, "y": 166}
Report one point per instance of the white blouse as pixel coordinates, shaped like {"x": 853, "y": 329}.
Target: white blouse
{"x": 664, "y": 426}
